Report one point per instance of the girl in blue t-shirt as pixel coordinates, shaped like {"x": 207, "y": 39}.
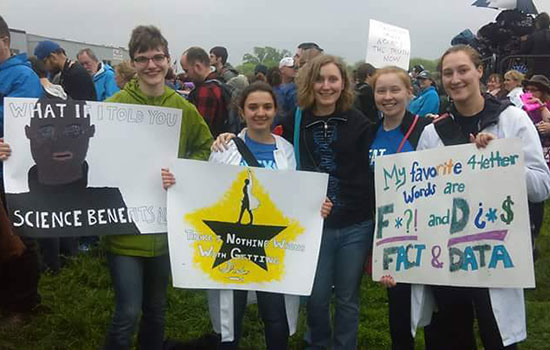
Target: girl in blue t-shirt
{"x": 398, "y": 131}
{"x": 279, "y": 312}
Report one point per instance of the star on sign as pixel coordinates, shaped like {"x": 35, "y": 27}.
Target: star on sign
{"x": 398, "y": 222}
{"x": 491, "y": 215}
{"x": 244, "y": 237}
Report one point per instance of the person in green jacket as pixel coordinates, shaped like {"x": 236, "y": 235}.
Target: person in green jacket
{"x": 139, "y": 265}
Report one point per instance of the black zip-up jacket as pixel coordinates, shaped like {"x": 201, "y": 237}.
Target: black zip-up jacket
{"x": 450, "y": 131}
{"x": 364, "y": 101}
{"x": 345, "y": 160}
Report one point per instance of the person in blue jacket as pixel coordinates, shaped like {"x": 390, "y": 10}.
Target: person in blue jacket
{"x": 427, "y": 102}
{"x": 19, "y": 275}
{"x": 17, "y": 79}
{"x": 102, "y": 74}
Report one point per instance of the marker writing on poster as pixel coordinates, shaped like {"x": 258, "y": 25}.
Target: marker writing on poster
{"x": 508, "y": 215}
{"x": 288, "y": 245}
{"x": 466, "y": 259}
{"x": 495, "y": 160}
{"x": 419, "y": 173}
{"x": 401, "y": 254}
{"x": 148, "y": 214}
{"x": 454, "y": 187}
{"x": 193, "y": 235}
{"x": 436, "y": 253}
{"x": 21, "y": 110}
{"x": 399, "y": 176}
{"x": 457, "y": 217}
{"x": 132, "y": 115}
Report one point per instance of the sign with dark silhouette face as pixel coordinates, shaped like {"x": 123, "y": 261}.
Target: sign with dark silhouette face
{"x": 87, "y": 168}
{"x": 244, "y": 228}
{"x": 59, "y": 135}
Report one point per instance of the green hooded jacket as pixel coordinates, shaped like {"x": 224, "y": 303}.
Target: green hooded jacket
{"x": 195, "y": 142}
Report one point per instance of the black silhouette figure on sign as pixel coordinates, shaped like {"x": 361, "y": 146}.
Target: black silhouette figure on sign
{"x": 246, "y": 241}
{"x": 245, "y": 204}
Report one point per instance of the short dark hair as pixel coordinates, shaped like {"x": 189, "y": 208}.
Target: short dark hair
{"x": 274, "y": 76}
{"x": 145, "y": 38}
{"x": 88, "y": 52}
{"x": 256, "y": 86}
{"x": 196, "y": 54}
{"x": 38, "y": 67}
{"x": 4, "y": 29}
{"x": 364, "y": 71}
{"x": 307, "y": 46}
{"x": 220, "y": 51}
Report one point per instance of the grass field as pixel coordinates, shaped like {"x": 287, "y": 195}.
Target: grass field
{"x": 80, "y": 300}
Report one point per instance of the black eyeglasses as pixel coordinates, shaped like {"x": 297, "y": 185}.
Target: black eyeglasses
{"x": 157, "y": 59}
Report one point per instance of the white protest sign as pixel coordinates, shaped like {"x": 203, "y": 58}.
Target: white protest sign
{"x": 456, "y": 216}
{"x": 87, "y": 168}
{"x": 388, "y": 45}
{"x": 232, "y": 227}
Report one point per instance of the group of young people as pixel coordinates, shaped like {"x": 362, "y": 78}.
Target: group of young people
{"x": 326, "y": 134}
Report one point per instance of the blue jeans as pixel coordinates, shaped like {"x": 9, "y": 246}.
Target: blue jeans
{"x": 341, "y": 259}
{"x": 140, "y": 286}
{"x": 55, "y": 251}
{"x": 273, "y": 313}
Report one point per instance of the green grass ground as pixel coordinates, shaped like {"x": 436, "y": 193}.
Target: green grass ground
{"x": 81, "y": 301}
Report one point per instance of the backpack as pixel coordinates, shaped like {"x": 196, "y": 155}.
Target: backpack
{"x": 232, "y": 122}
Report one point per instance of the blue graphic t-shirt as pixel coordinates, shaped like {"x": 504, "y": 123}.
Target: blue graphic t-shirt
{"x": 387, "y": 142}
{"x": 262, "y": 151}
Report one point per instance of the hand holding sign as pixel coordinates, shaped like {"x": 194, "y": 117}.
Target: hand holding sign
{"x": 457, "y": 217}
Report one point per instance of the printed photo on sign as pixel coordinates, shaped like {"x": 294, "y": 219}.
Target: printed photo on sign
{"x": 457, "y": 218}
{"x": 244, "y": 228}
{"x": 63, "y": 178}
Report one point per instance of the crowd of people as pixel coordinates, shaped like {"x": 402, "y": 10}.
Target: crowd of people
{"x": 308, "y": 113}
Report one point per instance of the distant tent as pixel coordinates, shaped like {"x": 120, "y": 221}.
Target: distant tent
{"x": 525, "y": 6}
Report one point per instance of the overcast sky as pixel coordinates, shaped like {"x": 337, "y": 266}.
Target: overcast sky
{"x": 339, "y": 26}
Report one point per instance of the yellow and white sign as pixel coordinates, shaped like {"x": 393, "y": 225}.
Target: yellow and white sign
{"x": 233, "y": 227}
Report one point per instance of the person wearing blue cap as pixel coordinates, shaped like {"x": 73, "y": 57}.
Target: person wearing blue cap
{"x": 427, "y": 101}
{"x": 74, "y": 78}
